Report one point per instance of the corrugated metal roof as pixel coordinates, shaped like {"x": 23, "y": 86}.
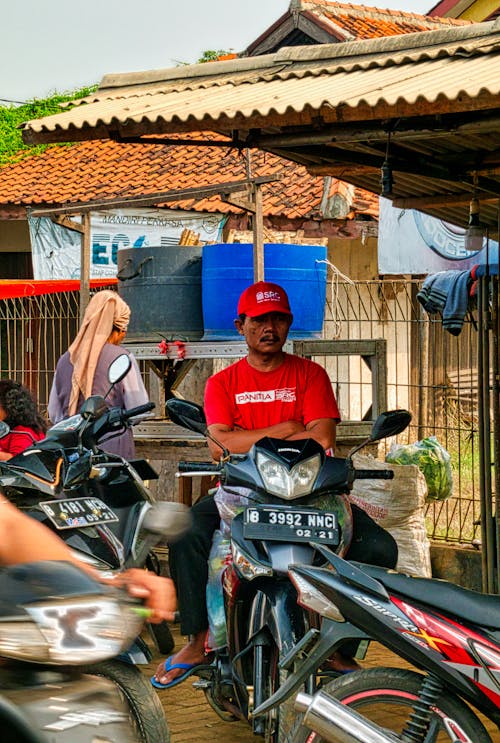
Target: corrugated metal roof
{"x": 452, "y": 64}
{"x": 332, "y": 108}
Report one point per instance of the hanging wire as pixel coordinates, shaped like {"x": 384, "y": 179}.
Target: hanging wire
{"x": 386, "y": 177}
{"x": 334, "y": 295}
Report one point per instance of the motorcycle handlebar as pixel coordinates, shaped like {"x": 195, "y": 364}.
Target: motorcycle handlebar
{"x": 373, "y": 474}
{"x": 139, "y": 410}
{"x": 198, "y": 467}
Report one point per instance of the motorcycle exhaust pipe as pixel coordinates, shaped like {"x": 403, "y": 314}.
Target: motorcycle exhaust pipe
{"x": 336, "y": 722}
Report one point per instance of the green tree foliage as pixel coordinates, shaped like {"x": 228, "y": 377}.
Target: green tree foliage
{"x": 212, "y": 55}
{"x": 12, "y": 147}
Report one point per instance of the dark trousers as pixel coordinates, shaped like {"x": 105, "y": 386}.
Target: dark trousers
{"x": 189, "y": 558}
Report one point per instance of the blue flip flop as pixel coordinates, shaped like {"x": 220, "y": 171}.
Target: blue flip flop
{"x": 169, "y": 666}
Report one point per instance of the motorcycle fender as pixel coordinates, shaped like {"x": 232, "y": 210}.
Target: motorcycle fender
{"x": 89, "y": 708}
{"x": 137, "y": 654}
{"x": 275, "y": 607}
{"x": 332, "y": 635}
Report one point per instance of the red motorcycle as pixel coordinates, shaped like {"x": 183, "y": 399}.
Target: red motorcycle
{"x": 450, "y": 633}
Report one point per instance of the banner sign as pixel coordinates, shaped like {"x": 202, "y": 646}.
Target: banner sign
{"x": 410, "y": 242}
{"x": 56, "y": 250}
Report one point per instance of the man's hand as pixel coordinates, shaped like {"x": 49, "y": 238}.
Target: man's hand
{"x": 158, "y": 593}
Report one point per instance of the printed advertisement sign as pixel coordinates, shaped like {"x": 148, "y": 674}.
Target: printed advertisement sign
{"x": 56, "y": 250}
{"x": 411, "y": 242}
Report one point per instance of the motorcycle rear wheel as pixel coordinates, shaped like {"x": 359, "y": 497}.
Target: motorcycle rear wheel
{"x": 386, "y": 696}
{"x": 145, "y": 710}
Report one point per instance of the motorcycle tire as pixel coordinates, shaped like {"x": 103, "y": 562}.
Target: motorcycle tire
{"x": 386, "y": 696}
{"x": 162, "y": 637}
{"x": 146, "y": 712}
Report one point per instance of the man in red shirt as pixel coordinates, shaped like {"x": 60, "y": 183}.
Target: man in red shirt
{"x": 268, "y": 393}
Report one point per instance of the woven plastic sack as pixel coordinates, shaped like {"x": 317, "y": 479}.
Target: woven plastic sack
{"x": 433, "y": 461}
{"x": 397, "y": 505}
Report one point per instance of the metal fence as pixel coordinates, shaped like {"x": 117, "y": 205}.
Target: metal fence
{"x": 429, "y": 371}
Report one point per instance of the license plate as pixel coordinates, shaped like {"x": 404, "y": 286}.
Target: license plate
{"x": 78, "y": 512}
{"x": 290, "y": 525}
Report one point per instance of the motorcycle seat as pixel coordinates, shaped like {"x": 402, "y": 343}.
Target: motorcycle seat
{"x": 473, "y": 607}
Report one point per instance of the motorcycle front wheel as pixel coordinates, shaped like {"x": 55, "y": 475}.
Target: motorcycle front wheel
{"x": 145, "y": 710}
{"x": 386, "y": 697}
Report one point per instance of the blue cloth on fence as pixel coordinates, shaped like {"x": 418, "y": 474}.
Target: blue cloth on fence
{"x": 447, "y": 293}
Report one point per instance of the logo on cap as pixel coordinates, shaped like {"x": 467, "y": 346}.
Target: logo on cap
{"x": 268, "y": 297}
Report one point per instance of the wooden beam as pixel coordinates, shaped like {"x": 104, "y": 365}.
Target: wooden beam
{"x": 437, "y": 200}
{"x": 69, "y": 224}
{"x": 258, "y": 235}
{"x": 198, "y": 192}
{"x": 85, "y": 265}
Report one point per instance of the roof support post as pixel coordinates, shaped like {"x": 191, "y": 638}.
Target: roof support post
{"x": 258, "y": 234}
{"x": 85, "y": 265}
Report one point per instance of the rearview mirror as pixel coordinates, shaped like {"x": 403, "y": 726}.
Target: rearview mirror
{"x": 4, "y": 429}
{"x": 187, "y": 414}
{"x": 390, "y": 423}
{"x": 93, "y": 407}
{"x": 119, "y": 368}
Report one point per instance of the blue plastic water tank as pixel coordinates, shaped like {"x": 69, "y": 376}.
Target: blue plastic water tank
{"x": 227, "y": 269}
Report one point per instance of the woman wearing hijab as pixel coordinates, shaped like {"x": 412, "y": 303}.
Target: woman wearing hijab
{"x": 83, "y": 370}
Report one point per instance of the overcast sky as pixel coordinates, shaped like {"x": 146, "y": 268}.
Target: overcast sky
{"x": 62, "y": 45}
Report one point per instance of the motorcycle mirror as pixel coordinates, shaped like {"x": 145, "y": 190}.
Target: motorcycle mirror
{"x": 93, "y": 407}
{"x": 191, "y": 416}
{"x": 187, "y": 414}
{"x": 168, "y": 520}
{"x": 119, "y": 368}
{"x": 4, "y": 429}
{"x": 390, "y": 423}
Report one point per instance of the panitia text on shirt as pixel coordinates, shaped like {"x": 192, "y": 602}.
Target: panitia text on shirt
{"x": 285, "y": 394}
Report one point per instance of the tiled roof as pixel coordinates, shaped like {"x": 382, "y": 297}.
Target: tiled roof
{"x": 104, "y": 169}
{"x": 362, "y": 22}
{"x": 326, "y": 22}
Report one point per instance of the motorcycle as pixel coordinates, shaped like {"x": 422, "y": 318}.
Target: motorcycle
{"x": 100, "y": 506}
{"x": 450, "y": 633}
{"x": 295, "y": 501}
{"x": 54, "y": 621}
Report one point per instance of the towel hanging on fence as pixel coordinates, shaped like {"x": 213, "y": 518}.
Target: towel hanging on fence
{"x": 447, "y": 293}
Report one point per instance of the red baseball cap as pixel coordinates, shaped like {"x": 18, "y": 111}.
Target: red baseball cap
{"x": 263, "y": 297}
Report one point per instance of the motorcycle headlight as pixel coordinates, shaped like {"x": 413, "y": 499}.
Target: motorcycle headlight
{"x": 288, "y": 484}
{"x": 71, "y": 632}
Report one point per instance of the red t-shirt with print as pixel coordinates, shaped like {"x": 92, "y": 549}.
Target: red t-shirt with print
{"x": 19, "y": 439}
{"x": 241, "y": 396}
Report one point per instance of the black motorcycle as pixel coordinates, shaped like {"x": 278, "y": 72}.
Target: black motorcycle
{"x": 294, "y": 501}
{"x": 100, "y": 506}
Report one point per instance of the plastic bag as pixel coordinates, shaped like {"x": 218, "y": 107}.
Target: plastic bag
{"x": 217, "y": 561}
{"x": 433, "y": 461}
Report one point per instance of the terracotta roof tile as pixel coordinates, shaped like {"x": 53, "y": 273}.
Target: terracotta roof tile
{"x": 345, "y": 20}
{"x": 104, "y": 169}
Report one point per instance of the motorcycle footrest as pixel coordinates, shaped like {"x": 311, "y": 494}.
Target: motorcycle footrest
{"x": 301, "y": 648}
{"x": 202, "y": 684}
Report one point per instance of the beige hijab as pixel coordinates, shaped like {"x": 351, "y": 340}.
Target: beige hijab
{"x": 105, "y": 309}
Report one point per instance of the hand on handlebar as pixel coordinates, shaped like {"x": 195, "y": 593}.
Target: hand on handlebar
{"x": 157, "y": 593}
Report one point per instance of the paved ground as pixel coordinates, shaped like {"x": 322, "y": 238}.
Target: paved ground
{"x": 190, "y": 718}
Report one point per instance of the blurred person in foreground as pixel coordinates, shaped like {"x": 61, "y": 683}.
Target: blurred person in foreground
{"x": 22, "y": 539}
{"x": 83, "y": 370}
{"x": 267, "y": 393}
{"x": 18, "y": 410}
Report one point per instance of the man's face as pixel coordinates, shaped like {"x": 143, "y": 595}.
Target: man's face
{"x": 265, "y": 333}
